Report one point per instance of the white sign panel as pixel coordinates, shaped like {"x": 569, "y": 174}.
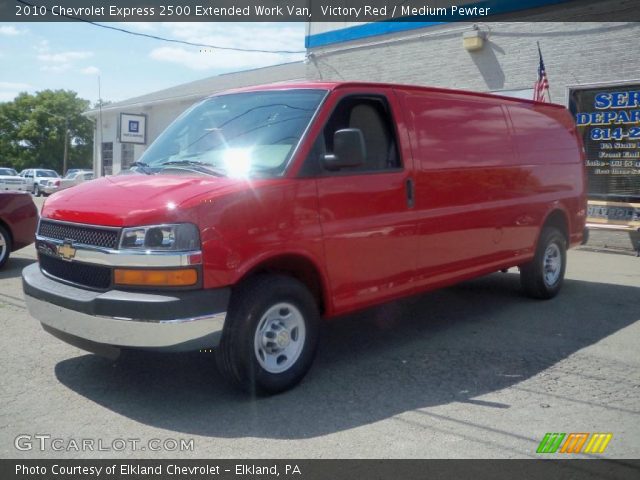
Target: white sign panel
{"x": 133, "y": 128}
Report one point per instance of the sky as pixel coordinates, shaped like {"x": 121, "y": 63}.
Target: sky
{"x": 72, "y": 55}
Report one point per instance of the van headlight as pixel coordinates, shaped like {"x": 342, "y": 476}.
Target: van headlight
{"x": 178, "y": 237}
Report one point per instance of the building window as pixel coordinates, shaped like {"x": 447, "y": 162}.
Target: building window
{"x": 107, "y": 158}
{"x": 127, "y": 155}
{"x": 607, "y": 120}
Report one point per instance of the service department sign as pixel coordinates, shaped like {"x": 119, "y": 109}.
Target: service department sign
{"x": 133, "y": 128}
{"x": 608, "y": 119}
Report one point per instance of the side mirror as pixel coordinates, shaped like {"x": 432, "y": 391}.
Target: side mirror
{"x": 348, "y": 150}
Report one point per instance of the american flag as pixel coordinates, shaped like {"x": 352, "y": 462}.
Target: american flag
{"x": 541, "y": 87}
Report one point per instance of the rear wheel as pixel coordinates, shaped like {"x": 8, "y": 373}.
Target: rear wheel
{"x": 543, "y": 276}
{"x": 5, "y": 246}
{"x": 270, "y": 335}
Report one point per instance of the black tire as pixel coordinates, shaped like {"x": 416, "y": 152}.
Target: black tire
{"x": 5, "y": 246}
{"x": 237, "y": 354}
{"x": 36, "y": 190}
{"x": 538, "y": 278}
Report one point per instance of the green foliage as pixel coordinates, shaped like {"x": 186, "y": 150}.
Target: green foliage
{"x": 32, "y": 131}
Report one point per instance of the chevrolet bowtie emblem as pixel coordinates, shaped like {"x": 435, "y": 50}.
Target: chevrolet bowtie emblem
{"x": 66, "y": 251}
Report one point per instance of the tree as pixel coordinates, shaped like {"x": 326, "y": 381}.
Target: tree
{"x": 33, "y": 129}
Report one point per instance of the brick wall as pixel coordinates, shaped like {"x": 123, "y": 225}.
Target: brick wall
{"x": 574, "y": 53}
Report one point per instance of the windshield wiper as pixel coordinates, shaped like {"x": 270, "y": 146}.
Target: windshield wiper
{"x": 199, "y": 166}
{"x": 144, "y": 167}
{"x": 185, "y": 162}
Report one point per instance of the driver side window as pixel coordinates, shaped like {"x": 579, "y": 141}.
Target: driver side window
{"x": 369, "y": 114}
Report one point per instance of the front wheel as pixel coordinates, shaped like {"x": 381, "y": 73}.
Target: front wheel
{"x": 36, "y": 190}
{"x": 543, "y": 276}
{"x": 270, "y": 335}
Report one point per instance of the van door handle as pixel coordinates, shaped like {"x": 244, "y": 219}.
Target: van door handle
{"x": 410, "y": 193}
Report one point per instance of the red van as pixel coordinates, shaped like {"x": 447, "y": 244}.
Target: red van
{"x": 261, "y": 211}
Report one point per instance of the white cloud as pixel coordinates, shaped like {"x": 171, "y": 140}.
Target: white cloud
{"x": 58, "y": 62}
{"x": 63, "y": 67}
{"x": 42, "y": 46}
{"x": 258, "y": 36}
{"x": 91, "y": 70}
{"x": 11, "y": 31}
{"x": 14, "y": 85}
{"x": 261, "y": 36}
{"x": 64, "y": 57}
{"x": 10, "y": 90}
{"x": 195, "y": 59}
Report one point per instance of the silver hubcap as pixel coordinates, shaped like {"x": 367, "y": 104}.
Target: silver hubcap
{"x": 552, "y": 264}
{"x": 3, "y": 246}
{"x": 279, "y": 338}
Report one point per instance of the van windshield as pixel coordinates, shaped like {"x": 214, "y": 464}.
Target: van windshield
{"x": 237, "y": 134}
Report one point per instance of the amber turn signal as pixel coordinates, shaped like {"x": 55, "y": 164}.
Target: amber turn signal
{"x": 156, "y": 278}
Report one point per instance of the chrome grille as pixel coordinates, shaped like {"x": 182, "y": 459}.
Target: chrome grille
{"x": 82, "y": 234}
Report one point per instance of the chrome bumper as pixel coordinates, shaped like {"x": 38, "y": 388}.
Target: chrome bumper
{"x": 190, "y": 333}
{"x": 177, "y": 321}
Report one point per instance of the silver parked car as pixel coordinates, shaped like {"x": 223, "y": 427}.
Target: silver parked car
{"x": 72, "y": 178}
{"x": 35, "y": 177}
{"x": 10, "y": 180}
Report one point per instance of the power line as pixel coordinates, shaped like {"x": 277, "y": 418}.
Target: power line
{"x": 163, "y": 39}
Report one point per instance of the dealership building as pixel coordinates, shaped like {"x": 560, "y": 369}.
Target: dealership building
{"x": 593, "y": 68}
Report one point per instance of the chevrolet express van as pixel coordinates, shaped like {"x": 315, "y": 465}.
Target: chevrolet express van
{"x": 261, "y": 211}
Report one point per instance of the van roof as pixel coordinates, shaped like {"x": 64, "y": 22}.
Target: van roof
{"x": 337, "y": 85}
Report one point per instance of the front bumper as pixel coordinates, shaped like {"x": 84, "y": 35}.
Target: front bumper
{"x": 13, "y": 187}
{"x": 49, "y": 189}
{"x": 100, "y": 321}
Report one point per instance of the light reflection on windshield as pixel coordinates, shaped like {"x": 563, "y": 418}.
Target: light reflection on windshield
{"x": 237, "y": 134}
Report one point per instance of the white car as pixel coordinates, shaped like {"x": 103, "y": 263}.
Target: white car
{"x": 71, "y": 179}
{"x": 35, "y": 177}
{"x": 10, "y": 180}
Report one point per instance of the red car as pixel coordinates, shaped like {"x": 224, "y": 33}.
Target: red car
{"x": 261, "y": 211}
{"x": 18, "y": 221}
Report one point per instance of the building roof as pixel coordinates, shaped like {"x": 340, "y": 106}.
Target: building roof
{"x": 208, "y": 86}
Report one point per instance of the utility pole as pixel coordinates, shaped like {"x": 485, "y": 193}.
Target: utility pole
{"x": 65, "y": 156}
{"x": 66, "y": 146}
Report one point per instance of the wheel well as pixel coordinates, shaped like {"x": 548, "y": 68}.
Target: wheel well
{"x": 298, "y": 267}
{"x": 558, "y": 219}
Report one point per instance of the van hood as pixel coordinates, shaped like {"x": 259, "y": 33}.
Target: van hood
{"x": 129, "y": 200}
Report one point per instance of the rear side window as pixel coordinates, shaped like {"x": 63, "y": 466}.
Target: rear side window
{"x": 372, "y": 116}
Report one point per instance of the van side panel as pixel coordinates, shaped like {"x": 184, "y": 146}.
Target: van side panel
{"x": 464, "y": 176}
{"x": 483, "y": 187}
{"x": 545, "y": 135}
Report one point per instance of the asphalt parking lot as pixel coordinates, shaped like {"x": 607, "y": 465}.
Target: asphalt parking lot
{"x": 472, "y": 371}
